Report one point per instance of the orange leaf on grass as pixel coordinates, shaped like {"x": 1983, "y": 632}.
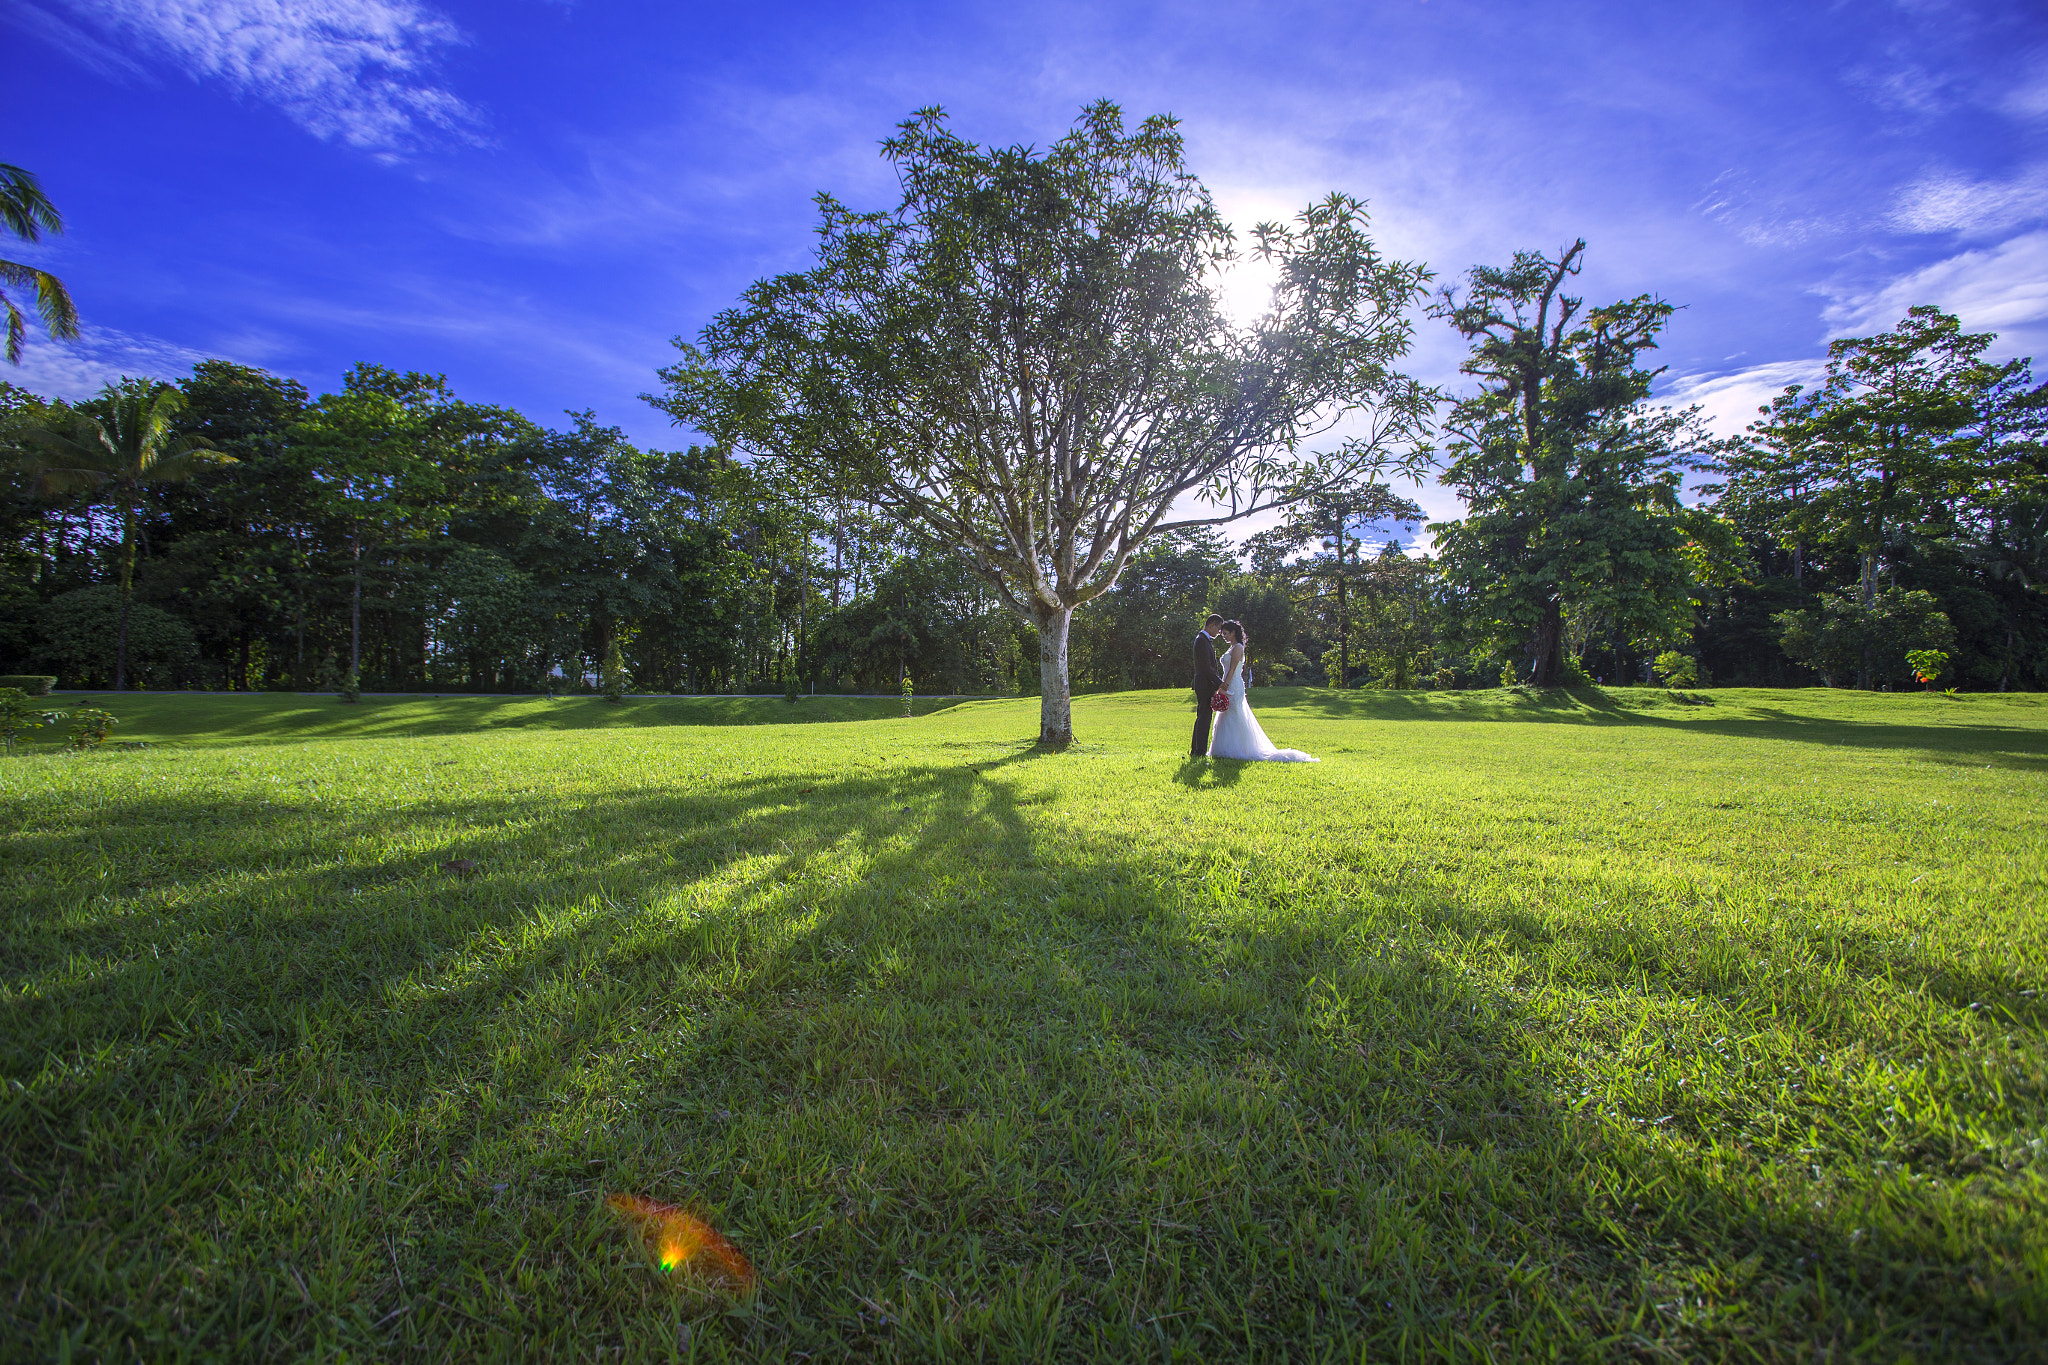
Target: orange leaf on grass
{"x": 684, "y": 1244}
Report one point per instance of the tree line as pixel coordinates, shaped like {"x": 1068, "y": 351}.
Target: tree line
{"x": 990, "y": 441}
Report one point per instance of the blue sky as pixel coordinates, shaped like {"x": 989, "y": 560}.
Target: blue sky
{"x": 533, "y": 196}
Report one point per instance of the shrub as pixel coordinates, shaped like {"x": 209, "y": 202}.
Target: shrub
{"x": 1846, "y": 640}
{"x": 18, "y": 713}
{"x": 34, "y": 684}
{"x": 1675, "y": 669}
{"x": 1507, "y": 675}
{"x": 350, "y": 689}
{"x": 908, "y": 695}
{"x": 1446, "y": 679}
{"x": 1927, "y": 665}
{"x": 90, "y": 727}
{"x": 80, "y": 628}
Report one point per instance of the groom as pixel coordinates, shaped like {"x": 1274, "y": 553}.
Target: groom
{"x": 1208, "y": 677}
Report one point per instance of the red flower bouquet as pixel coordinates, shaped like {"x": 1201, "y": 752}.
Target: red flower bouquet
{"x": 1220, "y": 702}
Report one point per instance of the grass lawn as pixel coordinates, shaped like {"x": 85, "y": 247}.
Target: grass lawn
{"x": 1595, "y": 1027}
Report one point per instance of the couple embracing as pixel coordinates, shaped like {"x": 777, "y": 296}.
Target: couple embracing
{"x": 1219, "y": 692}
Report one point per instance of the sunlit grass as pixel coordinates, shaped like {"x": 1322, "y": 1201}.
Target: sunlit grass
{"x": 1595, "y": 1026}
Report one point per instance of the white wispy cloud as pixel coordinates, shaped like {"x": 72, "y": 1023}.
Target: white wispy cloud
{"x": 1761, "y": 219}
{"x": 1728, "y": 401}
{"x": 100, "y": 58}
{"x": 1957, "y": 203}
{"x": 2002, "y": 288}
{"x": 2029, "y": 98}
{"x": 361, "y": 72}
{"x": 101, "y": 356}
{"x": 1909, "y": 88}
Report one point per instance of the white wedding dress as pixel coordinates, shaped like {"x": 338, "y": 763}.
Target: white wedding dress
{"x": 1237, "y": 733}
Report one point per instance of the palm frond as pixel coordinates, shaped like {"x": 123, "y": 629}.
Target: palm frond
{"x": 53, "y": 302}
{"x": 24, "y": 208}
{"x": 50, "y": 479}
{"x": 124, "y": 435}
{"x": 64, "y": 454}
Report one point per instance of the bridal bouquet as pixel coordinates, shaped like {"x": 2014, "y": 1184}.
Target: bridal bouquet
{"x": 1220, "y": 702}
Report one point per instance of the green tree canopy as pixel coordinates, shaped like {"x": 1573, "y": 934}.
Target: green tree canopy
{"x": 115, "y": 444}
{"x": 1570, "y": 480}
{"x": 1025, "y": 358}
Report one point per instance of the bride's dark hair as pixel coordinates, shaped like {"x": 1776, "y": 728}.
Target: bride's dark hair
{"x": 1237, "y": 628}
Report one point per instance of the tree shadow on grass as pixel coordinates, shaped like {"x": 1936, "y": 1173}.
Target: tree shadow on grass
{"x": 275, "y": 719}
{"x": 2011, "y": 746}
{"x": 958, "y": 1075}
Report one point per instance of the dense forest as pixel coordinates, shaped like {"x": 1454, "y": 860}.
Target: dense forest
{"x": 987, "y": 445}
{"x": 276, "y": 539}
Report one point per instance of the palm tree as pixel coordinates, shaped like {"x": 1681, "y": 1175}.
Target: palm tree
{"x": 118, "y": 442}
{"x": 28, "y": 214}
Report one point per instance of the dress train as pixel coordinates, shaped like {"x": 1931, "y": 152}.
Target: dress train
{"x": 1237, "y": 734}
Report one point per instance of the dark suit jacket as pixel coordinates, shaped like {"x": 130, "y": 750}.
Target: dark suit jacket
{"x": 1208, "y": 673}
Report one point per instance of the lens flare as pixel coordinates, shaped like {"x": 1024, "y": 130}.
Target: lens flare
{"x": 684, "y": 1244}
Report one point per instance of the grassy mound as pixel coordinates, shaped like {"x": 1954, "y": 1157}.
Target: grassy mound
{"x": 1589, "y": 1024}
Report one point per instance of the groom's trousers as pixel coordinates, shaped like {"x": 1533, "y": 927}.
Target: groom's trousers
{"x": 1203, "y": 717}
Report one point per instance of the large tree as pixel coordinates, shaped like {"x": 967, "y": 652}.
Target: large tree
{"x": 1570, "y": 481}
{"x": 1025, "y": 358}
{"x": 115, "y": 444}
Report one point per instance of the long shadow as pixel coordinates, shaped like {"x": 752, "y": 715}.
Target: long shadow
{"x": 962, "y": 1078}
{"x": 2008, "y": 745}
{"x": 2015, "y": 746}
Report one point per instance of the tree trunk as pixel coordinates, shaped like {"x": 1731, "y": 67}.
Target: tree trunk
{"x": 355, "y": 611}
{"x": 1055, "y": 705}
{"x": 1343, "y": 629}
{"x": 803, "y": 597}
{"x": 127, "y": 594}
{"x": 1549, "y": 645}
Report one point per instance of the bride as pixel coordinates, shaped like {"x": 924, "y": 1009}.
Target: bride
{"x": 1237, "y": 731}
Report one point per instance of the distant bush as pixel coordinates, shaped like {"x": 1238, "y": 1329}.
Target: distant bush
{"x": 19, "y": 714}
{"x": 1675, "y": 669}
{"x": 1847, "y": 641}
{"x": 1927, "y": 664}
{"x": 90, "y": 727}
{"x": 34, "y": 684}
{"x": 80, "y": 628}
